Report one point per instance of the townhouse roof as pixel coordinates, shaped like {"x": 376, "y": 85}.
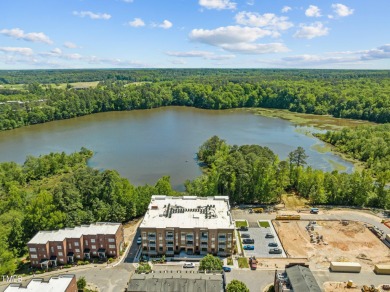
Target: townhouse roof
{"x": 107, "y": 228}
{"x": 54, "y": 284}
{"x": 302, "y": 279}
{"x": 188, "y": 212}
{"x": 175, "y": 281}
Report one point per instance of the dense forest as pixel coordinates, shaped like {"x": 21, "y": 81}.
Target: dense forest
{"x": 346, "y": 94}
{"x": 370, "y": 144}
{"x": 58, "y": 190}
{"x": 254, "y": 174}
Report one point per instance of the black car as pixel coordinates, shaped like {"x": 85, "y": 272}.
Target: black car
{"x": 245, "y": 235}
{"x": 275, "y": 250}
{"x": 243, "y": 228}
{"x": 273, "y": 244}
{"x": 269, "y": 235}
{"x": 248, "y": 241}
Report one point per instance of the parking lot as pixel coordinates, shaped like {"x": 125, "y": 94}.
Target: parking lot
{"x": 261, "y": 242}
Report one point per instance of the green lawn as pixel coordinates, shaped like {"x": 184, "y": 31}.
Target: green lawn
{"x": 264, "y": 224}
{"x": 241, "y": 223}
{"x": 243, "y": 263}
{"x": 240, "y": 241}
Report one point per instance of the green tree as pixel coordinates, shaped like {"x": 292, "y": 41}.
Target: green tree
{"x": 236, "y": 286}
{"x": 81, "y": 283}
{"x": 210, "y": 263}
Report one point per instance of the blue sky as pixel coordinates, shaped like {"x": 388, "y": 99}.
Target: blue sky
{"x": 194, "y": 34}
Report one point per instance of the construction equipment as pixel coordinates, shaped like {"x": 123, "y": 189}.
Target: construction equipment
{"x": 369, "y": 288}
{"x": 258, "y": 210}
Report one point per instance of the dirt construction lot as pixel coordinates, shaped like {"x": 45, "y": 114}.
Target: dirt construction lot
{"x": 353, "y": 242}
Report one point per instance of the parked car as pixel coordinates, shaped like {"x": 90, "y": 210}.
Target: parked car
{"x": 248, "y": 241}
{"x": 226, "y": 269}
{"x": 269, "y": 235}
{"x": 139, "y": 240}
{"x": 253, "y": 263}
{"x": 243, "y": 228}
{"x": 314, "y": 211}
{"x": 245, "y": 235}
{"x": 189, "y": 265}
{"x": 275, "y": 250}
{"x": 273, "y": 244}
{"x": 248, "y": 247}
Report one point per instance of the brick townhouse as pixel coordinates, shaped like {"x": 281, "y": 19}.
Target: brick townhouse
{"x": 188, "y": 224}
{"x": 99, "y": 240}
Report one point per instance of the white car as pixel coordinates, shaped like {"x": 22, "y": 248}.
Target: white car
{"x": 189, "y": 265}
{"x": 139, "y": 240}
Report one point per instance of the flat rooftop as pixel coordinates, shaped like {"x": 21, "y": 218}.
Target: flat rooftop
{"x": 54, "y": 284}
{"x": 188, "y": 212}
{"x": 43, "y": 237}
{"x": 175, "y": 281}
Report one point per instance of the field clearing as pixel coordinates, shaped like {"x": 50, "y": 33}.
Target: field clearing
{"x": 353, "y": 242}
{"x": 324, "y": 122}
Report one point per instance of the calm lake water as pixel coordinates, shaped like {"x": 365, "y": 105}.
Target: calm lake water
{"x": 145, "y": 145}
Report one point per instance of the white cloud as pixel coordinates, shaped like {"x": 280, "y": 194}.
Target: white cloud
{"x": 228, "y": 35}
{"x": 382, "y": 52}
{"x": 267, "y": 20}
{"x": 250, "y": 2}
{"x": 56, "y": 51}
{"x": 31, "y": 36}
{"x": 199, "y": 54}
{"x": 137, "y": 22}
{"x": 217, "y": 4}
{"x": 313, "y": 11}
{"x": 237, "y": 39}
{"x": 166, "y": 24}
{"x": 70, "y": 45}
{"x": 342, "y": 10}
{"x": 17, "y": 50}
{"x": 311, "y": 31}
{"x": 128, "y": 1}
{"x": 92, "y": 15}
{"x": 189, "y": 54}
{"x": 255, "y": 48}
{"x": 286, "y": 9}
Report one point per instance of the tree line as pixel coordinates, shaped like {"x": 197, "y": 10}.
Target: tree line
{"x": 325, "y": 93}
{"x": 254, "y": 174}
{"x": 370, "y": 144}
{"x": 58, "y": 190}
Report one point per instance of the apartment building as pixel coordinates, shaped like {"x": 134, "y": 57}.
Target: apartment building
{"x": 61, "y": 283}
{"x": 99, "y": 240}
{"x": 188, "y": 224}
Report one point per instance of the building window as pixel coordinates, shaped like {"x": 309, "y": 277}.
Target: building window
{"x": 111, "y": 240}
{"x": 86, "y": 242}
{"x": 77, "y": 250}
{"x": 52, "y": 249}
{"x": 34, "y": 256}
{"x": 70, "y": 245}
{"x": 76, "y": 244}
{"x": 93, "y": 240}
{"x": 152, "y": 248}
{"x": 33, "y": 249}
{"x": 60, "y": 254}
{"x": 111, "y": 246}
{"x": 114, "y": 252}
{"x": 160, "y": 248}
{"x": 59, "y": 247}
{"x": 93, "y": 246}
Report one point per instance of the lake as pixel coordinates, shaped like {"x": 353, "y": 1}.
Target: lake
{"x": 144, "y": 145}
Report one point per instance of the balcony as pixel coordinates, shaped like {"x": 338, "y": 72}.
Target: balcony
{"x": 204, "y": 245}
{"x": 169, "y": 244}
{"x": 169, "y": 237}
{"x": 152, "y": 244}
{"x": 152, "y": 237}
{"x": 221, "y": 239}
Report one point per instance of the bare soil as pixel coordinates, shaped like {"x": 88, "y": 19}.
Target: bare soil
{"x": 353, "y": 242}
{"x": 130, "y": 229}
{"x": 339, "y": 286}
